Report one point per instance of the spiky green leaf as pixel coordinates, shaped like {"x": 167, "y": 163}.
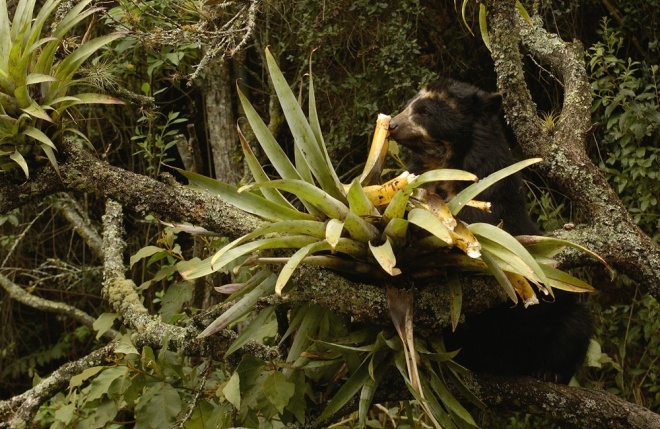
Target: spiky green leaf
{"x": 564, "y": 281}
{"x": 519, "y": 254}
{"x": 460, "y": 200}
{"x": 304, "y": 137}
{"x": 358, "y": 201}
{"x": 483, "y": 26}
{"x": 320, "y": 199}
{"x": 245, "y": 201}
{"x": 51, "y": 156}
{"x": 38, "y": 135}
{"x": 425, "y": 219}
{"x": 205, "y": 267}
{"x": 259, "y": 174}
{"x": 252, "y": 330}
{"x": 499, "y": 275}
{"x": 295, "y": 260}
{"x": 241, "y": 308}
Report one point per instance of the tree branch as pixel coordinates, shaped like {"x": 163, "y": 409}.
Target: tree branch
{"x": 82, "y": 172}
{"x": 19, "y": 411}
{"x": 19, "y": 294}
{"x": 612, "y": 232}
{"x": 571, "y": 407}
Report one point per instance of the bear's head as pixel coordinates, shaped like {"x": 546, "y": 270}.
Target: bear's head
{"x": 439, "y": 123}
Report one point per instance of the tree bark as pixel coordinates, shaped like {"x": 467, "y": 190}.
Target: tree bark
{"x": 221, "y": 122}
{"x": 571, "y": 407}
{"x": 611, "y": 232}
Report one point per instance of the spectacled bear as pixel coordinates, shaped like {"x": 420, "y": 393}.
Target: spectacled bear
{"x": 451, "y": 124}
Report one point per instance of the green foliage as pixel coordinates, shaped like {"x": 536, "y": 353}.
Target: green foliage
{"x": 150, "y": 385}
{"x": 154, "y": 137}
{"x": 35, "y": 85}
{"x": 629, "y": 337}
{"x": 33, "y": 363}
{"x": 627, "y": 104}
{"x": 339, "y": 227}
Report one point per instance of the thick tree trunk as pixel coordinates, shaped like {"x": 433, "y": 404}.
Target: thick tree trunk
{"x": 611, "y": 232}
{"x": 221, "y": 122}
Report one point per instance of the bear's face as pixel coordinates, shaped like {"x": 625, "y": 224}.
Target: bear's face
{"x": 438, "y": 123}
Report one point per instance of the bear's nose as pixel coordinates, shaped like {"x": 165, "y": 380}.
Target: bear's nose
{"x": 393, "y": 125}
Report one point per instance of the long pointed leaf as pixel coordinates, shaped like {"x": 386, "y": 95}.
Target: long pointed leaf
{"x": 323, "y": 201}
{"x": 251, "y": 330}
{"x": 314, "y": 122}
{"x": 460, "y": 200}
{"x": 483, "y": 26}
{"x": 5, "y": 37}
{"x": 295, "y": 260}
{"x": 493, "y": 233}
{"x": 499, "y": 275}
{"x": 38, "y": 135}
{"x": 259, "y": 174}
{"x": 542, "y": 246}
{"x": 346, "y": 391}
{"x": 318, "y": 159}
{"x": 205, "y": 267}
{"x": 51, "y": 156}
{"x": 242, "y": 307}
{"x": 564, "y": 281}
{"x": 270, "y": 146}
{"x": 18, "y": 159}
{"x": 299, "y": 227}
{"x": 245, "y": 201}
{"x": 70, "y": 65}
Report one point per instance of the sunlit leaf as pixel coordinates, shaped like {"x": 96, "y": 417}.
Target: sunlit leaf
{"x": 245, "y": 201}
{"x": 425, "y": 219}
{"x": 325, "y": 202}
{"x": 302, "y": 227}
{"x": 460, "y": 200}
{"x": 519, "y": 253}
{"x": 295, "y": 260}
{"x": 259, "y": 174}
{"x": 18, "y": 159}
{"x": 384, "y": 255}
{"x": 205, "y": 267}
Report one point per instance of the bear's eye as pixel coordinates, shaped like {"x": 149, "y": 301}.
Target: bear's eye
{"x": 424, "y": 111}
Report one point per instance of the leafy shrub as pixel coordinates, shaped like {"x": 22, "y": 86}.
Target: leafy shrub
{"x": 627, "y": 104}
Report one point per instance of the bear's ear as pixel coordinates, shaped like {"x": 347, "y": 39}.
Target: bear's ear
{"x": 491, "y": 103}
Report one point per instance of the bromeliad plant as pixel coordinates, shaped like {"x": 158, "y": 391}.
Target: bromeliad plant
{"x": 36, "y": 84}
{"x": 367, "y": 229}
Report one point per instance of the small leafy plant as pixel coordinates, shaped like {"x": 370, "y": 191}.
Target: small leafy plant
{"x": 35, "y": 84}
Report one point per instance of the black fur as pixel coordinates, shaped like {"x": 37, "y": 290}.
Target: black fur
{"x": 451, "y": 124}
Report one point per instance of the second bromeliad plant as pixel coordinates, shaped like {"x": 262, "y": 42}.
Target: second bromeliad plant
{"x": 367, "y": 229}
